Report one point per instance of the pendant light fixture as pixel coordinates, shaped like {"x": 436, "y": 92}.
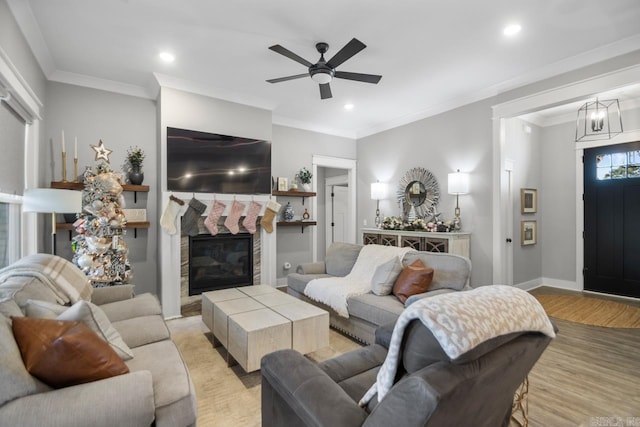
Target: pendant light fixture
{"x": 598, "y": 120}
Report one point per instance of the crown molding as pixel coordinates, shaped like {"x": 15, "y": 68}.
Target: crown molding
{"x": 573, "y": 63}
{"x": 29, "y": 26}
{"x": 101, "y": 84}
{"x": 312, "y": 127}
{"x": 164, "y": 80}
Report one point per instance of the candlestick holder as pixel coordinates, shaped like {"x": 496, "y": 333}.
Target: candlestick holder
{"x": 64, "y": 166}
{"x": 75, "y": 169}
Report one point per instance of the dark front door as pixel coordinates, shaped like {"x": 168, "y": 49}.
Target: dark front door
{"x": 612, "y": 219}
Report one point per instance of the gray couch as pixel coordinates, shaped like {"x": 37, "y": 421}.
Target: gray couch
{"x": 157, "y": 390}
{"x": 368, "y": 311}
{"x": 476, "y": 389}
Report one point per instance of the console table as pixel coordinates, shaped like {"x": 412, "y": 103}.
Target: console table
{"x": 452, "y": 243}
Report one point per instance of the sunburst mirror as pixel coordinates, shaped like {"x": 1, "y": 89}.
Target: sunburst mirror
{"x": 418, "y": 188}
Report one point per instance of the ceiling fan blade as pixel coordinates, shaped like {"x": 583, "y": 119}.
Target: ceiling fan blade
{"x": 367, "y": 78}
{"x": 284, "y": 79}
{"x": 350, "y": 49}
{"x": 325, "y": 91}
{"x": 286, "y": 52}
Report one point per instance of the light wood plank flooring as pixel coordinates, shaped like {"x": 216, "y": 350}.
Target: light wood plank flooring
{"x": 585, "y": 373}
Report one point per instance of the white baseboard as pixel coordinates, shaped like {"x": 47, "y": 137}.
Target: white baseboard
{"x": 281, "y": 282}
{"x": 562, "y": 284}
{"x": 531, "y": 284}
{"x": 546, "y": 281}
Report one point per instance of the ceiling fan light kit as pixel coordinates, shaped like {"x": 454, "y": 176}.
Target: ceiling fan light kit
{"x": 324, "y": 71}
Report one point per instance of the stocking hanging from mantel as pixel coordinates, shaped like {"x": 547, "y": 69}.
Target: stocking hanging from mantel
{"x": 234, "y": 217}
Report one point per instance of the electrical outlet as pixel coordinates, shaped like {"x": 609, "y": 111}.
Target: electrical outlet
{"x": 364, "y": 222}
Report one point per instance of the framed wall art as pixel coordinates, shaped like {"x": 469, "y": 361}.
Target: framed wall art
{"x": 528, "y": 232}
{"x": 528, "y": 200}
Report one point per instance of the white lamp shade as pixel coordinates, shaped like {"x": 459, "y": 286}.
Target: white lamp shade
{"x": 51, "y": 200}
{"x": 458, "y": 183}
{"x": 378, "y": 191}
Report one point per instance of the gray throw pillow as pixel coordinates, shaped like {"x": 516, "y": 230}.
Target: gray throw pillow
{"x": 43, "y": 309}
{"x": 341, "y": 257}
{"x": 93, "y": 316}
{"x": 385, "y": 276}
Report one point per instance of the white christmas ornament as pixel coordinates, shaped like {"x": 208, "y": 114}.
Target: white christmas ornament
{"x": 85, "y": 261}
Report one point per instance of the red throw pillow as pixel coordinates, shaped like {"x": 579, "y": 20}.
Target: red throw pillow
{"x": 414, "y": 279}
{"x": 64, "y": 353}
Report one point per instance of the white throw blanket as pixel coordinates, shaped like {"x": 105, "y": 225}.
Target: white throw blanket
{"x": 64, "y": 279}
{"x": 334, "y": 291}
{"x": 462, "y": 320}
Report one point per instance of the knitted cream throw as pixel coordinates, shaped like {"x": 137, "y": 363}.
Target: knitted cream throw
{"x": 462, "y": 320}
{"x": 334, "y": 291}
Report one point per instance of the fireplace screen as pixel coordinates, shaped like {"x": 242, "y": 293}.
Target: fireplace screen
{"x": 220, "y": 261}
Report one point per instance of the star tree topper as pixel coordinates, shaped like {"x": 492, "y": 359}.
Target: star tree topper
{"x": 101, "y": 151}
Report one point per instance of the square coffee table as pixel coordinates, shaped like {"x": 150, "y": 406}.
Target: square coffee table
{"x": 252, "y": 321}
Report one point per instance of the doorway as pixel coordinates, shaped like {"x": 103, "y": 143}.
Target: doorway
{"x": 611, "y": 219}
{"x": 347, "y": 166}
{"x": 337, "y": 210}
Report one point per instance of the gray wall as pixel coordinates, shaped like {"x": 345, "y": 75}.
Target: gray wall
{"x": 557, "y": 235}
{"x": 558, "y": 181}
{"x": 293, "y": 149}
{"x": 525, "y": 151}
{"x": 458, "y": 139}
{"x": 120, "y": 121}
{"x": 17, "y": 49}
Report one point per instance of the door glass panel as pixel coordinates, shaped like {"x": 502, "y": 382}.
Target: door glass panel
{"x": 618, "y": 165}
{"x": 603, "y": 166}
{"x": 633, "y": 169}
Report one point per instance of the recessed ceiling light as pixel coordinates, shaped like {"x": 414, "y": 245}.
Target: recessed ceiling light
{"x": 512, "y": 30}
{"x": 348, "y": 107}
{"x": 167, "y": 57}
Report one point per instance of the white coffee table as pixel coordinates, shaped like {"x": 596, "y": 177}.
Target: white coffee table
{"x": 252, "y": 321}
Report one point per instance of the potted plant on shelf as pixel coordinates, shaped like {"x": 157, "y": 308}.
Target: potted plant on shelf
{"x": 135, "y": 156}
{"x": 304, "y": 176}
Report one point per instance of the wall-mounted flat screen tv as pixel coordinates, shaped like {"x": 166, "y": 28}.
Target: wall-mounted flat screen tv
{"x": 212, "y": 163}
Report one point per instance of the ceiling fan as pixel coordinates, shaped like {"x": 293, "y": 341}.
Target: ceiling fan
{"x": 324, "y": 71}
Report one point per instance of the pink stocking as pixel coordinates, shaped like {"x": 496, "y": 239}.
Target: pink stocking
{"x": 234, "y": 217}
{"x": 252, "y": 216}
{"x": 211, "y": 222}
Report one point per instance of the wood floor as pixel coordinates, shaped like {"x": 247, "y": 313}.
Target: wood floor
{"x": 587, "y": 375}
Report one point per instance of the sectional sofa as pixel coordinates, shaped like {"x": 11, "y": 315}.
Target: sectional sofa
{"x": 368, "y": 311}
{"x": 157, "y": 390}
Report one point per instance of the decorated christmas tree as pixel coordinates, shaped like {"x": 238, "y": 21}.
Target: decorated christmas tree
{"x": 100, "y": 250}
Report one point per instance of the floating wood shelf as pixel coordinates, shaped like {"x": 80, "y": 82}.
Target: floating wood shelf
{"x": 294, "y": 193}
{"x": 130, "y": 224}
{"x": 301, "y": 224}
{"x": 140, "y": 224}
{"x": 302, "y": 194}
{"x": 68, "y": 185}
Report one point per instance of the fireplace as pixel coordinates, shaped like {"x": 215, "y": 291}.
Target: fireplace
{"x": 220, "y": 261}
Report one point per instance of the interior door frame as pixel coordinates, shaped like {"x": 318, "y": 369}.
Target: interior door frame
{"x": 569, "y": 93}
{"x": 338, "y": 163}
{"x": 328, "y": 184}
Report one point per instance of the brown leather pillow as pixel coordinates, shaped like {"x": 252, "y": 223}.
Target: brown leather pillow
{"x": 64, "y": 353}
{"x": 414, "y": 279}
